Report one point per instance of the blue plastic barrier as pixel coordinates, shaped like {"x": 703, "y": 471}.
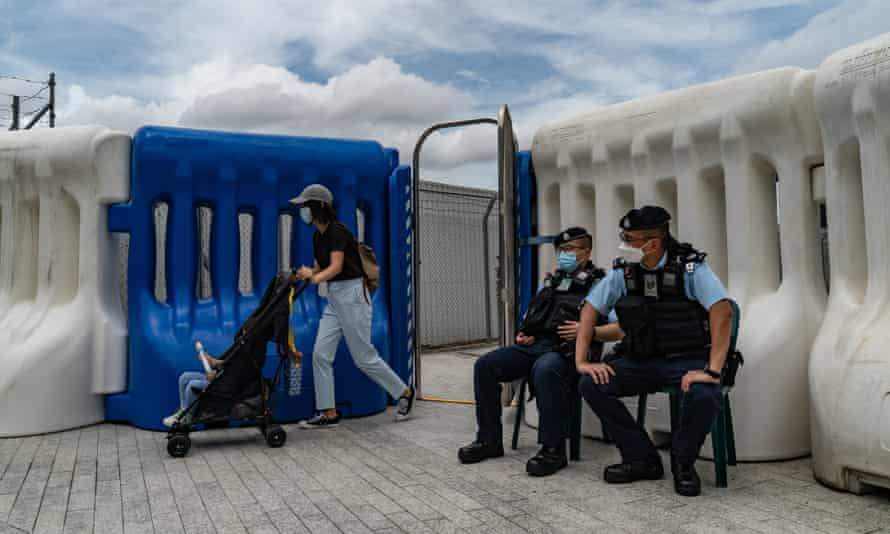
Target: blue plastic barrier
{"x": 233, "y": 174}
{"x": 526, "y": 227}
{"x": 401, "y": 278}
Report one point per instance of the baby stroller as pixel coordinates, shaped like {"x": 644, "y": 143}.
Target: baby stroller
{"x": 240, "y": 391}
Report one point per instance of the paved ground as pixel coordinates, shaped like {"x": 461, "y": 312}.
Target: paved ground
{"x": 374, "y": 475}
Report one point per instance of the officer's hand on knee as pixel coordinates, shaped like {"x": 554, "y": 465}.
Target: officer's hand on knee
{"x": 522, "y": 339}
{"x": 600, "y": 373}
{"x": 568, "y": 330}
{"x": 696, "y": 376}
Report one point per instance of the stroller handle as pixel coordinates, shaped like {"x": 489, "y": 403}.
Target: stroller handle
{"x": 300, "y": 287}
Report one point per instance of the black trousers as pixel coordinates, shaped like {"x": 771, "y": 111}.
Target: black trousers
{"x": 552, "y": 376}
{"x": 698, "y": 407}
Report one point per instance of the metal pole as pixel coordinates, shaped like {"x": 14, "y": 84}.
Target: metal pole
{"x": 52, "y": 99}
{"x": 485, "y": 267}
{"x": 415, "y": 242}
{"x": 37, "y": 117}
{"x": 15, "y": 113}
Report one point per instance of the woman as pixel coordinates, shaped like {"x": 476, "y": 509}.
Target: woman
{"x": 348, "y": 312}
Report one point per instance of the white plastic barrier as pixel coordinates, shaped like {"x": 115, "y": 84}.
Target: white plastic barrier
{"x": 62, "y": 330}
{"x": 710, "y": 155}
{"x": 850, "y": 363}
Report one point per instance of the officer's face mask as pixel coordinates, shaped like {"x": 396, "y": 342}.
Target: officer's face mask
{"x": 629, "y": 253}
{"x": 306, "y": 214}
{"x": 567, "y": 261}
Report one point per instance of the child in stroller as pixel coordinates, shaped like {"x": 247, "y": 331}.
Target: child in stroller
{"x": 239, "y": 391}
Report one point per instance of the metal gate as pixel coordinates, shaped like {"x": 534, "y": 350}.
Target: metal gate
{"x": 459, "y": 232}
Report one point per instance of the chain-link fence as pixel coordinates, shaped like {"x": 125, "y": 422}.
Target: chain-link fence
{"x": 458, "y": 254}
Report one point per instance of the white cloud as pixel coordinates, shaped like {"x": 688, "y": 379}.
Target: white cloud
{"x": 848, "y": 23}
{"x": 471, "y": 75}
{"x": 237, "y": 65}
{"x": 376, "y": 100}
{"x": 740, "y": 6}
{"x": 116, "y": 112}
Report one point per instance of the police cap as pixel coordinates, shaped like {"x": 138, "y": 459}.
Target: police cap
{"x": 645, "y": 218}
{"x": 570, "y": 234}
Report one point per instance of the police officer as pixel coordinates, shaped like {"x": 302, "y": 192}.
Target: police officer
{"x": 544, "y": 350}
{"x": 676, "y": 318}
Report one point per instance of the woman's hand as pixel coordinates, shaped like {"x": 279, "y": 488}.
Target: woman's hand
{"x": 305, "y": 273}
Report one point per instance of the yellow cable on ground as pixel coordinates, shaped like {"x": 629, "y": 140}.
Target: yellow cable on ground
{"x": 454, "y": 401}
{"x": 447, "y": 401}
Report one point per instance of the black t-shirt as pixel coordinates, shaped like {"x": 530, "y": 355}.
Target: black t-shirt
{"x": 338, "y": 238}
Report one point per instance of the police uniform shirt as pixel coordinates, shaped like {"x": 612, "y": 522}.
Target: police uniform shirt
{"x": 701, "y": 285}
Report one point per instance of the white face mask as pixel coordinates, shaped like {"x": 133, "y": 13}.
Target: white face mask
{"x": 306, "y": 214}
{"x": 629, "y": 253}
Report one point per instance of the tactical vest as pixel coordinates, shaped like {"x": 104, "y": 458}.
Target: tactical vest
{"x": 559, "y": 300}
{"x": 658, "y": 319}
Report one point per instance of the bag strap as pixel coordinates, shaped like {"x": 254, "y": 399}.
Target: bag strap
{"x": 291, "y": 344}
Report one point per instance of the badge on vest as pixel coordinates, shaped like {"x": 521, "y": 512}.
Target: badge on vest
{"x": 670, "y": 279}
{"x": 650, "y": 285}
{"x": 564, "y": 284}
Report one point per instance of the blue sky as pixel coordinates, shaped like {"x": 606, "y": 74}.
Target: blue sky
{"x": 387, "y": 69}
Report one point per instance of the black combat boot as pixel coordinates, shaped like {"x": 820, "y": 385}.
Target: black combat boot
{"x": 686, "y": 481}
{"x": 626, "y": 472}
{"x": 477, "y": 451}
{"x": 548, "y": 461}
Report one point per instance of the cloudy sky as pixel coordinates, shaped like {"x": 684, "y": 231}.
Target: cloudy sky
{"x": 388, "y": 69}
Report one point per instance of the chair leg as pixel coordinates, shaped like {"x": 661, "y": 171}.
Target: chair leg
{"x": 718, "y": 440}
{"x": 642, "y": 401}
{"x": 575, "y": 429}
{"x": 674, "y": 401}
{"x": 730, "y": 432}
{"x": 520, "y": 411}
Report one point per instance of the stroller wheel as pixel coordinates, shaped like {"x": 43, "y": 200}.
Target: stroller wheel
{"x": 276, "y": 436}
{"x": 178, "y": 445}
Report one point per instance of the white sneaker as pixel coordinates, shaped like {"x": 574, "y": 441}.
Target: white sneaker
{"x": 406, "y": 403}
{"x": 170, "y": 419}
{"x": 320, "y": 421}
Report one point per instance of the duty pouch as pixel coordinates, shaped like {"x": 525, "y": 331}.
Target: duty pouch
{"x": 535, "y": 318}
{"x": 734, "y": 360}
{"x": 637, "y": 319}
{"x": 564, "y": 312}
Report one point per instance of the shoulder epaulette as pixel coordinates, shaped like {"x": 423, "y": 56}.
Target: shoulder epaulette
{"x": 688, "y": 256}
